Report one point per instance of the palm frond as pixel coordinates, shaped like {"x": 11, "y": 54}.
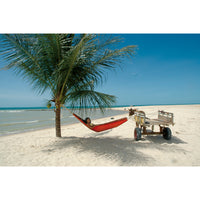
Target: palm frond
{"x": 66, "y": 64}
{"x": 20, "y": 51}
{"x": 90, "y": 99}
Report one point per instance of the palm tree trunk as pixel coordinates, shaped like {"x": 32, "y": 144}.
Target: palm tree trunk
{"x": 58, "y": 126}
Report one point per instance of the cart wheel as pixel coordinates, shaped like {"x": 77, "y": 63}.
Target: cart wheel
{"x": 167, "y": 134}
{"x": 137, "y": 134}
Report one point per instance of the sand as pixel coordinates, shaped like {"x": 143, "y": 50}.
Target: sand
{"x": 80, "y": 146}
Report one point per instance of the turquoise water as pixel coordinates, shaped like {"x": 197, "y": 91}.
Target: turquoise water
{"x": 17, "y": 120}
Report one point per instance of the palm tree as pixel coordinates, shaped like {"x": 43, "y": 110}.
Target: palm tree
{"x": 70, "y": 66}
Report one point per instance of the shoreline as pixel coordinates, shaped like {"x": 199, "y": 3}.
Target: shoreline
{"x": 117, "y": 106}
{"x": 80, "y": 146}
{"x": 38, "y": 120}
{"x": 98, "y": 119}
{"x": 62, "y": 126}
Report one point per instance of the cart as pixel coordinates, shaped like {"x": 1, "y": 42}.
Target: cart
{"x": 164, "y": 120}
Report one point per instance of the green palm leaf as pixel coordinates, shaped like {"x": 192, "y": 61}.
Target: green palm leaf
{"x": 70, "y": 66}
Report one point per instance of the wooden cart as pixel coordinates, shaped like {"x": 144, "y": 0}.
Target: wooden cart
{"x": 142, "y": 123}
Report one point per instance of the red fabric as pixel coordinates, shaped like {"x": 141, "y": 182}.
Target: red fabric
{"x": 105, "y": 126}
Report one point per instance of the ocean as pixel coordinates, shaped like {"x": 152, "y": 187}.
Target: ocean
{"x": 18, "y": 120}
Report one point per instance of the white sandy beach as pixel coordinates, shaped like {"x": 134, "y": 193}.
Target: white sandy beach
{"x": 80, "y": 146}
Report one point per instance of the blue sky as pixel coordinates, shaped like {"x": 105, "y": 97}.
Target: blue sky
{"x": 165, "y": 70}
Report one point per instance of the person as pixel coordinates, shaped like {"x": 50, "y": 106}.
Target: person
{"x": 88, "y": 122}
{"x": 132, "y": 111}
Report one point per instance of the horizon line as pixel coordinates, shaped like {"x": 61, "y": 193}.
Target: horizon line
{"x": 44, "y": 107}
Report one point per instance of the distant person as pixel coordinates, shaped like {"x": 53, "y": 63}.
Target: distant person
{"x": 132, "y": 111}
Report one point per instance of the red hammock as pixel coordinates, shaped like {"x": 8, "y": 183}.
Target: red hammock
{"x": 105, "y": 126}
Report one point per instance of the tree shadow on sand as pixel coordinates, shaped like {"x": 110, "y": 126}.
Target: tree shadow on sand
{"x": 158, "y": 139}
{"x": 102, "y": 133}
{"x": 125, "y": 151}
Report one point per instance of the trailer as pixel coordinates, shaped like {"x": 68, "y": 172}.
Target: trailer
{"x": 164, "y": 120}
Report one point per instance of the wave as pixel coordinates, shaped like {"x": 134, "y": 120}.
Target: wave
{"x": 12, "y": 111}
{"x": 15, "y": 123}
{"x": 29, "y": 122}
{"x": 9, "y": 133}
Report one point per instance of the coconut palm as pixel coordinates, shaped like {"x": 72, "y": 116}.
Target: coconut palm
{"x": 70, "y": 66}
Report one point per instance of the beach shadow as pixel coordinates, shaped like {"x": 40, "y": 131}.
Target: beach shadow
{"x": 124, "y": 151}
{"x": 158, "y": 139}
{"x": 102, "y": 133}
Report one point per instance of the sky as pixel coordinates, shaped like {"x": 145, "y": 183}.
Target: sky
{"x": 165, "y": 70}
